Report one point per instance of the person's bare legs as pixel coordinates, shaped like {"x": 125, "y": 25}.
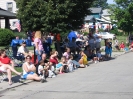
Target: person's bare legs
{"x": 6, "y": 66}
{"x": 61, "y": 69}
{"x": 9, "y": 75}
{"x": 81, "y": 63}
{"x": 34, "y": 77}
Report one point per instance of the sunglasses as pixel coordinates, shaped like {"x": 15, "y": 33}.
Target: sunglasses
{"x": 28, "y": 58}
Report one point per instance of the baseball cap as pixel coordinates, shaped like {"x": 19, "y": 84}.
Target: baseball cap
{"x": 24, "y": 42}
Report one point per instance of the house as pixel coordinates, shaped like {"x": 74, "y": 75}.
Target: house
{"x": 106, "y": 15}
{"x": 96, "y": 12}
{"x": 10, "y": 7}
{"x": 101, "y": 17}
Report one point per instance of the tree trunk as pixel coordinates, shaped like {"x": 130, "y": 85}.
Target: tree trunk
{"x": 58, "y": 49}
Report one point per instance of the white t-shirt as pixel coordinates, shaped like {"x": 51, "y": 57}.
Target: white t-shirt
{"x": 70, "y": 65}
{"x": 28, "y": 66}
{"x": 22, "y": 49}
{"x": 40, "y": 68}
{"x": 78, "y": 39}
{"x": 70, "y": 62}
{"x": 96, "y": 36}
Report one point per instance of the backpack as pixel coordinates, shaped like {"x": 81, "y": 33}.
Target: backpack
{"x": 66, "y": 69}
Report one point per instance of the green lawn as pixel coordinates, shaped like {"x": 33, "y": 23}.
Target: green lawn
{"x": 19, "y": 69}
{"x": 120, "y": 39}
{"x": 30, "y": 48}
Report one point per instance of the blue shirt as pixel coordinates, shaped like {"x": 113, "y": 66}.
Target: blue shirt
{"x": 71, "y": 35}
{"x": 59, "y": 65}
{"x": 15, "y": 43}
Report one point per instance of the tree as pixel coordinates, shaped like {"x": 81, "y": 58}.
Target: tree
{"x": 122, "y": 12}
{"x": 52, "y": 15}
{"x": 100, "y": 3}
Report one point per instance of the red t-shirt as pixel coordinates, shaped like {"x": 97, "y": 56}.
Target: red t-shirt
{"x": 5, "y": 60}
{"x": 54, "y": 60}
{"x": 122, "y": 46}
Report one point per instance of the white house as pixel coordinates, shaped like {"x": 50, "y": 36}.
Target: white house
{"x": 9, "y": 5}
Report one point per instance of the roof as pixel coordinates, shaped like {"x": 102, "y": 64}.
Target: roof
{"x": 90, "y": 18}
{"x": 5, "y": 13}
{"x": 95, "y": 10}
{"x": 106, "y": 12}
{"x": 103, "y": 21}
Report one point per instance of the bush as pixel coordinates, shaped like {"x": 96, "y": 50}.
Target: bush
{"x": 116, "y": 32}
{"x": 86, "y": 33}
{"x": 6, "y": 37}
{"x": 20, "y": 34}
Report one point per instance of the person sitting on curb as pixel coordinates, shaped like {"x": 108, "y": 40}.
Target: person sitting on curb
{"x": 29, "y": 70}
{"x": 131, "y": 47}
{"x": 122, "y": 46}
{"x": 62, "y": 66}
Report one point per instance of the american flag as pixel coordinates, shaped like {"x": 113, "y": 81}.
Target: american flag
{"x": 18, "y": 25}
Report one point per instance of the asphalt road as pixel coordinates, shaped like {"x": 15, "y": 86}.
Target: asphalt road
{"x": 105, "y": 80}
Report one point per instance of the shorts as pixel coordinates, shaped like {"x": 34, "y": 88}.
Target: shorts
{"x": 25, "y": 75}
{"x": 2, "y": 69}
{"x": 92, "y": 46}
{"x": 76, "y": 63}
{"x": 98, "y": 45}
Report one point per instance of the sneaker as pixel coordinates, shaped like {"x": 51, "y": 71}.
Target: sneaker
{"x": 42, "y": 80}
{"x": 85, "y": 66}
{"x": 53, "y": 76}
{"x": 49, "y": 76}
{"x": 95, "y": 62}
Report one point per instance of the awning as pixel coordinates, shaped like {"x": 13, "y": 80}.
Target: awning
{"x": 5, "y": 13}
{"x": 103, "y": 21}
{"x": 90, "y": 18}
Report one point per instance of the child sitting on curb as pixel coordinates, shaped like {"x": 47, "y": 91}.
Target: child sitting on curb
{"x": 62, "y": 66}
{"x": 70, "y": 64}
{"x": 42, "y": 70}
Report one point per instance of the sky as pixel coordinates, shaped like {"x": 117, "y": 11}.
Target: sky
{"x": 110, "y": 1}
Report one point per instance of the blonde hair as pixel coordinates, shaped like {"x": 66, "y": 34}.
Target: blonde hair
{"x": 53, "y": 52}
{"x": 38, "y": 34}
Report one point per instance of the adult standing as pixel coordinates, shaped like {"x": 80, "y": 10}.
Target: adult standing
{"x": 72, "y": 35}
{"x": 38, "y": 45}
{"x": 91, "y": 41}
{"x": 97, "y": 37}
{"x": 14, "y": 44}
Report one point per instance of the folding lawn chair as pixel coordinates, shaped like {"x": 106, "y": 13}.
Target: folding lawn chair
{"x": 3, "y": 76}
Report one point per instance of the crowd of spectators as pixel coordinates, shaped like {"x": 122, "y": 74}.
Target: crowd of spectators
{"x": 77, "y": 50}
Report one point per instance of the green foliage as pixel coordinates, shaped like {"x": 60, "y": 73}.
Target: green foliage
{"x": 52, "y": 15}
{"x": 20, "y": 34}
{"x": 6, "y": 36}
{"x": 123, "y": 13}
{"x": 85, "y": 33}
{"x": 115, "y": 31}
{"x": 100, "y": 3}
{"x": 100, "y": 30}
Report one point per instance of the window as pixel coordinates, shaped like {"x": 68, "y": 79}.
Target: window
{"x": 10, "y": 6}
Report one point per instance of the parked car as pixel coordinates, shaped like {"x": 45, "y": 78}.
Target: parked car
{"x": 107, "y": 35}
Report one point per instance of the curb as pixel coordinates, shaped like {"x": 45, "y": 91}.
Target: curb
{"x": 20, "y": 84}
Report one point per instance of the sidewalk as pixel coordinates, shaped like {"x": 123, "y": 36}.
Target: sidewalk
{"x": 4, "y": 86}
